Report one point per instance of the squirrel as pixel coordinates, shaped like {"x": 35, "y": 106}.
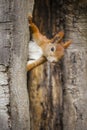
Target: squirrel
{"x": 52, "y": 49}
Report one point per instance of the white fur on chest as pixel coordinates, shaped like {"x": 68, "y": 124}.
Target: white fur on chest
{"x": 35, "y": 52}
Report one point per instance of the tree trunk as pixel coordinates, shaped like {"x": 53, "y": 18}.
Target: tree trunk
{"x": 14, "y": 36}
{"x": 58, "y": 92}
{"x": 75, "y": 67}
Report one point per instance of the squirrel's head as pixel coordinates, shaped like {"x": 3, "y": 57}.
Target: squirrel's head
{"x": 52, "y": 49}
{"x": 55, "y": 51}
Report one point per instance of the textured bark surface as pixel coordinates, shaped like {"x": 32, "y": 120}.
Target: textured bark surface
{"x": 14, "y": 37}
{"x": 75, "y": 67}
{"x": 19, "y": 95}
{"x": 5, "y": 28}
{"x": 46, "y": 82}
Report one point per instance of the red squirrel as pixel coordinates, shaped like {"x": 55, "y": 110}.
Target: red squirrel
{"x": 52, "y": 49}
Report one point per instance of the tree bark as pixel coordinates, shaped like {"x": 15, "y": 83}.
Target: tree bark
{"x": 75, "y": 67}
{"x": 14, "y": 37}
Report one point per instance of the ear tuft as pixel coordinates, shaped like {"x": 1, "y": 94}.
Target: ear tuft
{"x": 58, "y": 37}
{"x": 66, "y": 44}
{"x": 61, "y": 34}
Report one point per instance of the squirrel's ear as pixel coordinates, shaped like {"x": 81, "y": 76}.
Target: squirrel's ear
{"x": 66, "y": 44}
{"x": 58, "y": 37}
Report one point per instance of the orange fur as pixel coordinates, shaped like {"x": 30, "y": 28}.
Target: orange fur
{"x": 36, "y": 63}
{"x": 53, "y": 49}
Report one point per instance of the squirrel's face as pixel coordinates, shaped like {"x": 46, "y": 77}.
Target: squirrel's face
{"x": 53, "y": 52}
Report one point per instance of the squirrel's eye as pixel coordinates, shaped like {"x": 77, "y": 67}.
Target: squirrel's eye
{"x": 52, "y": 49}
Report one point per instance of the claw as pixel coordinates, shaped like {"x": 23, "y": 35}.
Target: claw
{"x": 30, "y": 19}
